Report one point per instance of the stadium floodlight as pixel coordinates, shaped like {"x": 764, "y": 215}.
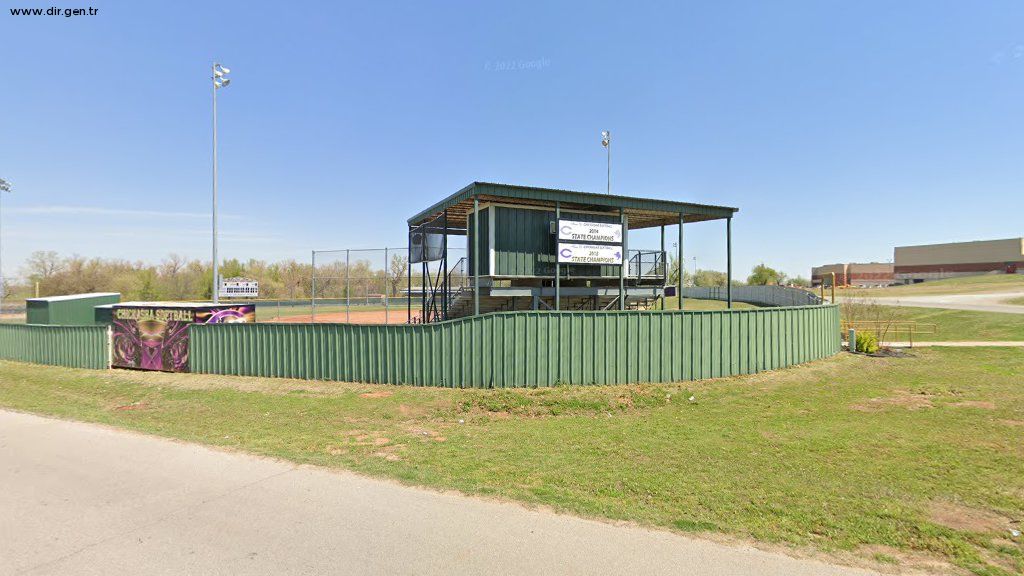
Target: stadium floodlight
{"x": 606, "y": 141}
{"x": 5, "y": 186}
{"x": 220, "y": 80}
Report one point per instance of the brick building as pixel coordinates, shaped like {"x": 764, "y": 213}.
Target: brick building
{"x": 861, "y": 275}
{"x": 935, "y": 261}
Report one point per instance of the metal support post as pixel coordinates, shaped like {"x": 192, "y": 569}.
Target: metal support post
{"x": 625, "y": 258}
{"x": 476, "y": 255}
{"x": 408, "y": 271}
{"x": 679, "y": 258}
{"x": 558, "y": 266}
{"x": 728, "y": 260}
{"x": 664, "y": 267}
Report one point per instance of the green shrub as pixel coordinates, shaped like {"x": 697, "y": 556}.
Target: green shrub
{"x": 867, "y": 342}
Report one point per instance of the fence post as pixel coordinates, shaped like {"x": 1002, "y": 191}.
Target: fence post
{"x": 386, "y": 284}
{"x": 312, "y": 298}
{"x": 852, "y": 337}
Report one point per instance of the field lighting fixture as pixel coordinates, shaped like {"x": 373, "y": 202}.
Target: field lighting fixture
{"x": 5, "y": 186}
{"x": 220, "y": 80}
{"x": 606, "y": 141}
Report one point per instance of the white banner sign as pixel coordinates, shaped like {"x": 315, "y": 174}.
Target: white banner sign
{"x": 589, "y": 254}
{"x": 239, "y": 289}
{"x": 589, "y": 231}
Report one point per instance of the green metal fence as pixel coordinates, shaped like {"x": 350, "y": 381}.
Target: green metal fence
{"x": 525, "y": 348}
{"x": 72, "y": 346}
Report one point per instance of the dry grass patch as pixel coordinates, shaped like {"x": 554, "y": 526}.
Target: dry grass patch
{"x": 971, "y": 519}
{"x": 902, "y": 399}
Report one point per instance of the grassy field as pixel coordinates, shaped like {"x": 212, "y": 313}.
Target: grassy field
{"x": 951, "y": 325}
{"x": 964, "y": 285}
{"x": 268, "y": 312}
{"x": 916, "y": 461}
{"x": 694, "y": 304}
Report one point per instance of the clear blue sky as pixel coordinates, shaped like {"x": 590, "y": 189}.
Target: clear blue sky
{"x": 840, "y": 129}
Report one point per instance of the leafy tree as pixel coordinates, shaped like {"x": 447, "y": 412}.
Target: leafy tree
{"x": 800, "y": 281}
{"x": 709, "y": 278}
{"x": 762, "y": 275}
{"x": 673, "y": 273}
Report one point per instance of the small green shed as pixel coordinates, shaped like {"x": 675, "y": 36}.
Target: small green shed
{"x": 104, "y": 314}
{"x": 68, "y": 310}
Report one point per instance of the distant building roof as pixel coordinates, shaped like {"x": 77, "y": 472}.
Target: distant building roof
{"x": 73, "y": 297}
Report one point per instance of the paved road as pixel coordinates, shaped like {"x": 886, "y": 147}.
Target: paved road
{"x": 978, "y": 302}
{"x": 82, "y": 499}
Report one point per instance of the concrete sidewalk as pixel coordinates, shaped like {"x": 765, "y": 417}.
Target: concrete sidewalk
{"x": 84, "y": 499}
{"x": 964, "y": 344}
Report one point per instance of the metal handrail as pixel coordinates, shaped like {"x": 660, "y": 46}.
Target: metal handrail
{"x": 654, "y": 260}
{"x": 890, "y": 330}
{"x": 458, "y": 264}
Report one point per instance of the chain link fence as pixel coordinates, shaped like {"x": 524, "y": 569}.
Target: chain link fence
{"x": 363, "y": 286}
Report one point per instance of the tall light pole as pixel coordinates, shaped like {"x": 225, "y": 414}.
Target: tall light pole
{"x": 5, "y": 186}
{"x": 220, "y": 80}
{"x": 694, "y": 270}
{"x": 606, "y": 141}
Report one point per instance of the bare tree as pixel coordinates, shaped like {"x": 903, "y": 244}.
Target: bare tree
{"x": 399, "y": 269}
{"x": 42, "y": 265}
{"x": 863, "y": 314}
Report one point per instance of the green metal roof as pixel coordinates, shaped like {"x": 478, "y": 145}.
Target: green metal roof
{"x": 642, "y": 212}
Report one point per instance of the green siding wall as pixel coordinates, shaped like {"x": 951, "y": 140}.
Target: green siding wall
{"x": 37, "y": 312}
{"x": 72, "y": 346}
{"x": 485, "y": 260}
{"x": 525, "y": 246}
{"x": 513, "y": 349}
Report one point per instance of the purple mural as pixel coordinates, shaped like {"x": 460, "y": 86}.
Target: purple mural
{"x": 156, "y": 338}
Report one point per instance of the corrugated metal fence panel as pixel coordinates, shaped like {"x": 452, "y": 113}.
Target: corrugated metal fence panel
{"x": 760, "y": 295}
{"x": 515, "y": 349}
{"x": 71, "y": 346}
